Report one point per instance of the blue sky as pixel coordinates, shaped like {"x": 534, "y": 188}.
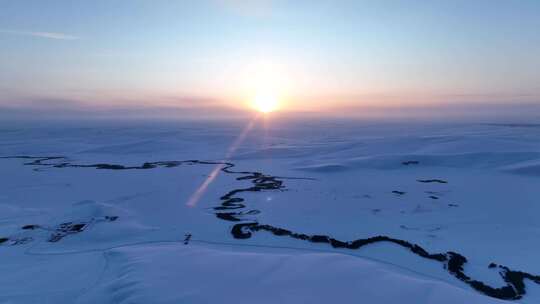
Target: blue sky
{"x": 316, "y": 54}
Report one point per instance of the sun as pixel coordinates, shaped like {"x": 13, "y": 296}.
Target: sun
{"x": 265, "y": 103}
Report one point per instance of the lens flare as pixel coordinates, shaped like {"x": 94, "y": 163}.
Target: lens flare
{"x": 196, "y": 196}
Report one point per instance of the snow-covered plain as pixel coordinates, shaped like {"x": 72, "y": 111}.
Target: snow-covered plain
{"x": 79, "y": 230}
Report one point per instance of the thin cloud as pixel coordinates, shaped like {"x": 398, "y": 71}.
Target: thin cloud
{"x": 47, "y": 35}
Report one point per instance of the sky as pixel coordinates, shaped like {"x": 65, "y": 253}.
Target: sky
{"x": 312, "y": 55}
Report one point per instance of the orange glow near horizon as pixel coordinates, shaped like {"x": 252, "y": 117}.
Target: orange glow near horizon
{"x": 265, "y": 103}
{"x": 262, "y": 84}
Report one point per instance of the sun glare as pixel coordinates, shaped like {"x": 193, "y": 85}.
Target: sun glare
{"x": 265, "y": 103}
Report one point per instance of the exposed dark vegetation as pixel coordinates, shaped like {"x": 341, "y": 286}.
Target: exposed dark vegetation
{"x": 427, "y": 181}
{"x": 410, "y": 162}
